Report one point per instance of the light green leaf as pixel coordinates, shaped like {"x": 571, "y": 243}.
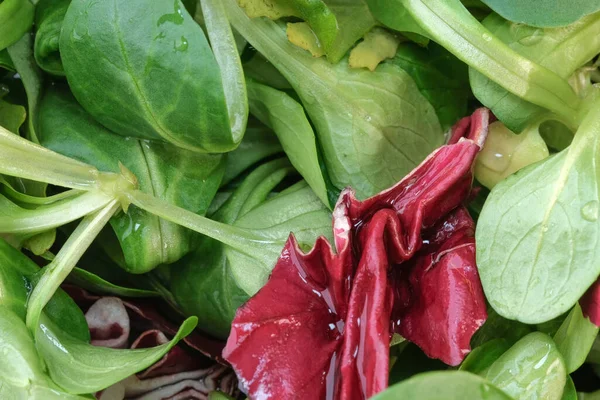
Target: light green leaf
{"x": 448, "y": 385}
{"x": 575, "y": 338}
{"x": 286, "y": 117}
{"x": 16, "y": 18}
{"x": 156, "y": 78}
{"x": 374, "y": 127}
{"x": 537, "y": 235}
{"x": 79, "y": 367}
{"x": 182, "y": 177}
{"x": 561, "y": 50}
{"x": 12, "y": 116}
{"x": 543, "y": 13}
{"x": 532, "y": 369}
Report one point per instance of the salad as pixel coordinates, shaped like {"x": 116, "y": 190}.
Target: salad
{"x": 299, "y": 199}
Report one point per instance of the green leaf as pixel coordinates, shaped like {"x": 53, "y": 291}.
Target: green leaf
{"x": 184, "y": 178}
{"x": 531, "y": 369}
{"x": 79, "y": 367}
{"x": 5, "y": 61}
{"x": 569, "y": 392}
{"x": 374, "y": 127}
{"x": 216, "y": 279}
{"x": 156, "y": 78}
{"x": 538, "y": 231}
{"x": 21, "y": 54}
{"x": 259, "y": 143}
{"x": 92, "y": 282}
{"x": 16, "y": 18}
{"x": 543, "y": 13}
{"x": 448, "y": 385}
{"x": 286, "y": 117}
{"x": 21, "y": 369}
{"x": 440, "y": 77}
{"x": 450, "y": 24}
{"x": 354, "y": 20}
{"x": 12, "y": 116}
{"x": 561, "y": 50}
{"x": 575, "y": 338}
{"x": 49, "y": 16}
{"x": 484, "y": 356}
{"x": 497, "y": 327}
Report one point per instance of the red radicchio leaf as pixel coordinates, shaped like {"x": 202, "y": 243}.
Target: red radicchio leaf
{"x": 590, "y": 303}
{"x": 321, "y": 326}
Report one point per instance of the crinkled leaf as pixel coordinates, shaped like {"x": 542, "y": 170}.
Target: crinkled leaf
{"x": 286, "y": 117}
{"x": 373, "y": 127}
{"x": 448, "y": 385}
{"x": 184, "y": 178}
{"x": 531, "y": 369}
{"x": 156, "y": 78}
{"x": 543, "y": 13}
{"x": 538, "y": 231}
{"x": 49, "y": 16}
{"x": 343, "y": 304}
{"x": 558, "y": 49}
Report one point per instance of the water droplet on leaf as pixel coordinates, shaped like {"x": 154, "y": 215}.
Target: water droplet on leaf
{"x": 589, "y": 211}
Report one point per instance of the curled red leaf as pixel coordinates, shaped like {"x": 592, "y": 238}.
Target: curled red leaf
{"x": 404, "y": 262}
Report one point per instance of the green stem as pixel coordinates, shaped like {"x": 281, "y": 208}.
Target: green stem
{"x": 450, "y": 24}
{"x": 238, "y": 238}
{"x": 24, "y": 159}
{"x": 64, "y": 262}
{"x": 14, "y": 219}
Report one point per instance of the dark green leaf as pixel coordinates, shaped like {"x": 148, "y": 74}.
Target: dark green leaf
{"x": 286, "y": 117}
{"x": 92, "y": 282}
{"x": 156, "y": 78}
{"x": 497, "y": 327}
{"x": 440, "y": 77}
{"x": 6, "y": 62}
{"x": 49, "y": 16}
{"x": 484, "y": 356}
{"x": 450, "y": 385}
{"x": 189, "y": 180}
{"x": 259, "y": 143}
{"x": 216, "y": 279}
{"x": 569, "y": 392}
{"x": 543, "y": 13}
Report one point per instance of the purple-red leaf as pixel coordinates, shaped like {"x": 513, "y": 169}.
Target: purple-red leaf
{"x": 404, "y": 262}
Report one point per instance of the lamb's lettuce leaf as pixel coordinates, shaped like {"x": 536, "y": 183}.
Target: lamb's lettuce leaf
{"x": 373, "y": 127}
{"x": 157, "y": 78}
{"x": 187, "y": 179}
